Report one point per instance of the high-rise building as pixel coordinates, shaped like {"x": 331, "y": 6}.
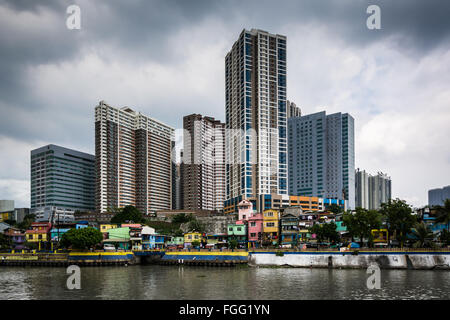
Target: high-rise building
{"x": 372, "y": 191}
{"x": 255, "y": 99}
{"x": 293, "y": 110}
{"x": 437, "y": 197}
{"x": 361, "y": 189}
{"x": 203, "y": 163}
{"x": 133, "y": 160}
{"x": 63, "y": 178}
{"x": 322, "y": 156}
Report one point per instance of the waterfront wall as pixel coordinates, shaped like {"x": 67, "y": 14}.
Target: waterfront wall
{"x": 385, "y": 260}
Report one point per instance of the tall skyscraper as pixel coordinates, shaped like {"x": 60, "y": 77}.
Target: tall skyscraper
{"x": 372, "y": 191}
{"x": 437, "y": 197}
{"x": 379, "y": 190}
{"x": 203, "y": 163}
{"x": 322, "y": 156}
{"x": 361, "y": 189}
{"x": 255, "y": 98}
{"x": 63, "y": 178}
{"x": 133, "y": 160}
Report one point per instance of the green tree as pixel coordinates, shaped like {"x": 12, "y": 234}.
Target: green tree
{"x": 423, "y": 235}
{"x": 4, "y": 242}
{"x": 83, "y": 238}
{"x": 325, "y": 231}
{"x": 443, "y": 214}
{"x": 334, "y": 208}
{"x": 399, "y": 219}
{"x": 26, "y": 222}
{"x": 445, "y": 237}
{"x": 196, "y": 243}
{"x": 128, "y": 214}
{"x": 233, "y": 244}
{"x": 195, "y": 225}
{"x": 182, "y": 218}
{"x": 361, "y": 223}
{"x": 317, "y": 230}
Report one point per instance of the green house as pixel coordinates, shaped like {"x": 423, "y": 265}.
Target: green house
{"x": 237, "y": 232}
{"x": 120, "y": 237}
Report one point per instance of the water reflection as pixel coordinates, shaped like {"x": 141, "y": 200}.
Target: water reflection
{"x": 177, "y": 282}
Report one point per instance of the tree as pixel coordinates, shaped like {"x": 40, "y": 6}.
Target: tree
{"x": 361, "y": 223}
{"x": 334, "y": 208}
{"x": 423, "y": 234}
{"x": 83, "y": 238}
{"x": 128, "y": 214}
{"x": 26, "y": 222}
{"x": 326, "y": 231}
{"x": 182, "y": 218}
{"x": 4, "y": 242}
{"x": 233, "y": 244}
{"x": 196, "y": 243}
{"x": 443, "y": 214}
{"x": 195, "y": 225}
{"x": 445, "y": 237}
{"x": 398, "y": 217}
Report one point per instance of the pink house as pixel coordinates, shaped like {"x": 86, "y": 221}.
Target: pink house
{"x": 255, "y": 230}
{"x": 245, "y": 210}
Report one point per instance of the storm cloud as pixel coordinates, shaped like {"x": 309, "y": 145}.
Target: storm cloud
{"x": 166, "y": 59}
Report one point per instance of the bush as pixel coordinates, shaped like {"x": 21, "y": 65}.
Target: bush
{"x": 84, "y": 238}
{"x": 279, "y": 253}
{"x": 196, "y": 243}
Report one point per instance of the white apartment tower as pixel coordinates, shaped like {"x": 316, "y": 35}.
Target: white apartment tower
{"x": 133, "y": 160}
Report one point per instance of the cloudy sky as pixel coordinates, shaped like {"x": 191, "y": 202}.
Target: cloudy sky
{"x": 166, "y": 59}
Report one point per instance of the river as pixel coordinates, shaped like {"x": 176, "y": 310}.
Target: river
{"x": 177, "y": 282}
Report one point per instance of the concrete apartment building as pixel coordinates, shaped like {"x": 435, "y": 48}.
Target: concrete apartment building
{"x": 62, "y": 178}
{"x": 203, "y": 162}
{"x": 322, "y": 156}
{"x": 255, "y": 109}
{"x": 437, "y": 197}
{"x": 372, "y": 190}
{"x": 293, "y": 110}
{"x": 133, "y": 160}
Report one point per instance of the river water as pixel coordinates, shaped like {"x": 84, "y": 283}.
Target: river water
{"x": 178, "y": 282}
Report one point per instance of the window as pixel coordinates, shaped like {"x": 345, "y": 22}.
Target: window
{"x": 252, "y": 235}
{"x": 252, "y": 224}
{"x": 270, "y": 224}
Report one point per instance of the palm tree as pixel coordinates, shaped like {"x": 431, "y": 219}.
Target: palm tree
{"x": 443, "y": 214}
{"x": 423, "y": 234}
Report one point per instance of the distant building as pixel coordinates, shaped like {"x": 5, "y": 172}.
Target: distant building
{"x": 361, "y": 189}
{"x": 203, "y": 162}
{"x": 6, "y": 210}
{"x": 322, "y": 156}
{"x": 54, "y": 215}
{"x": 437, "y": 197}
{"x": 293, "y": 110}
{"x": 20, "y": 213}
{"x": 380, "y": 190}
{"x": 133, "y": 160}
{"x": 63, "y": 178}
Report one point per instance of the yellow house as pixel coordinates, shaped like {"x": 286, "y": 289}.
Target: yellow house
{"x": 105, "y": 227}
{"x": 192, "y": 236}
{"x": 4, "y": 216}
{"x": 271, "y": 220}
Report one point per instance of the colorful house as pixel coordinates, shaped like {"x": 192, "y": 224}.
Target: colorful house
{"x": 245, "y": 210}
{"x": 175, "y": 242}
{"x": 104, "y": 227}
{"x": 152, "y": 240}
{"x": 289, "y": 226}
{"x": 271, "y": 226}
{"x": 191, "y": 237}
{"x": 16, "y": 237}
{"x": 216, "y": 240}
{"x": 39, "y": 232}
{"x": 120, "y": 237}
{"x": 255, "y": 230}
{"x": 57, "y": 233}
{"x": 237, "y": 231}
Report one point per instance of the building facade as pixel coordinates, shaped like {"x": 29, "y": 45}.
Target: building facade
{"x": 322, "y": 156}
{"x": 255, "y": 109}
{"x": 361, "y": 189}
{"x": 63, "y": 178}
{"x": 6, "y": 210}
{"x": 133, "y": 160}
{"x": 437, "y": 197}
{"x": 372, "y": 190}
{"x": 293, "y": 110}
{"x": 203, "y": 163}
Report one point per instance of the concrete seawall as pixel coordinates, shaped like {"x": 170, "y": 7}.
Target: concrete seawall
{"x": 388, "y": 260}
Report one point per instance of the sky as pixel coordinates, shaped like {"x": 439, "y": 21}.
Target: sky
{"x": 166, "y": 60}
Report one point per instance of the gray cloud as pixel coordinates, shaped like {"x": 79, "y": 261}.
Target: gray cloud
{"x": 165, "y": 58}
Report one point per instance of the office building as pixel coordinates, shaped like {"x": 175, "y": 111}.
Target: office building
{"x": 255, "y": 99}
{"x": 322, "y": 156}
{"x": 437, "y": 197}
{"x": 133, "y": 160}
{"x": 372, "y": 191}
{"x": 54, "y": 215}
{"x": 62, "y": 177}
{"x": 203, "y": 163}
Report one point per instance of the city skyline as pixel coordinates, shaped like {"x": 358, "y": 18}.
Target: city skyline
{"x": 393, "y": 82}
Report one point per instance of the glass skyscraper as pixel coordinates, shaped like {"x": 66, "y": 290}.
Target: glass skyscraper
{"x": 62, "y": 178}
{"x": 256, "y": 135}
{"x": 322, "y": 156}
